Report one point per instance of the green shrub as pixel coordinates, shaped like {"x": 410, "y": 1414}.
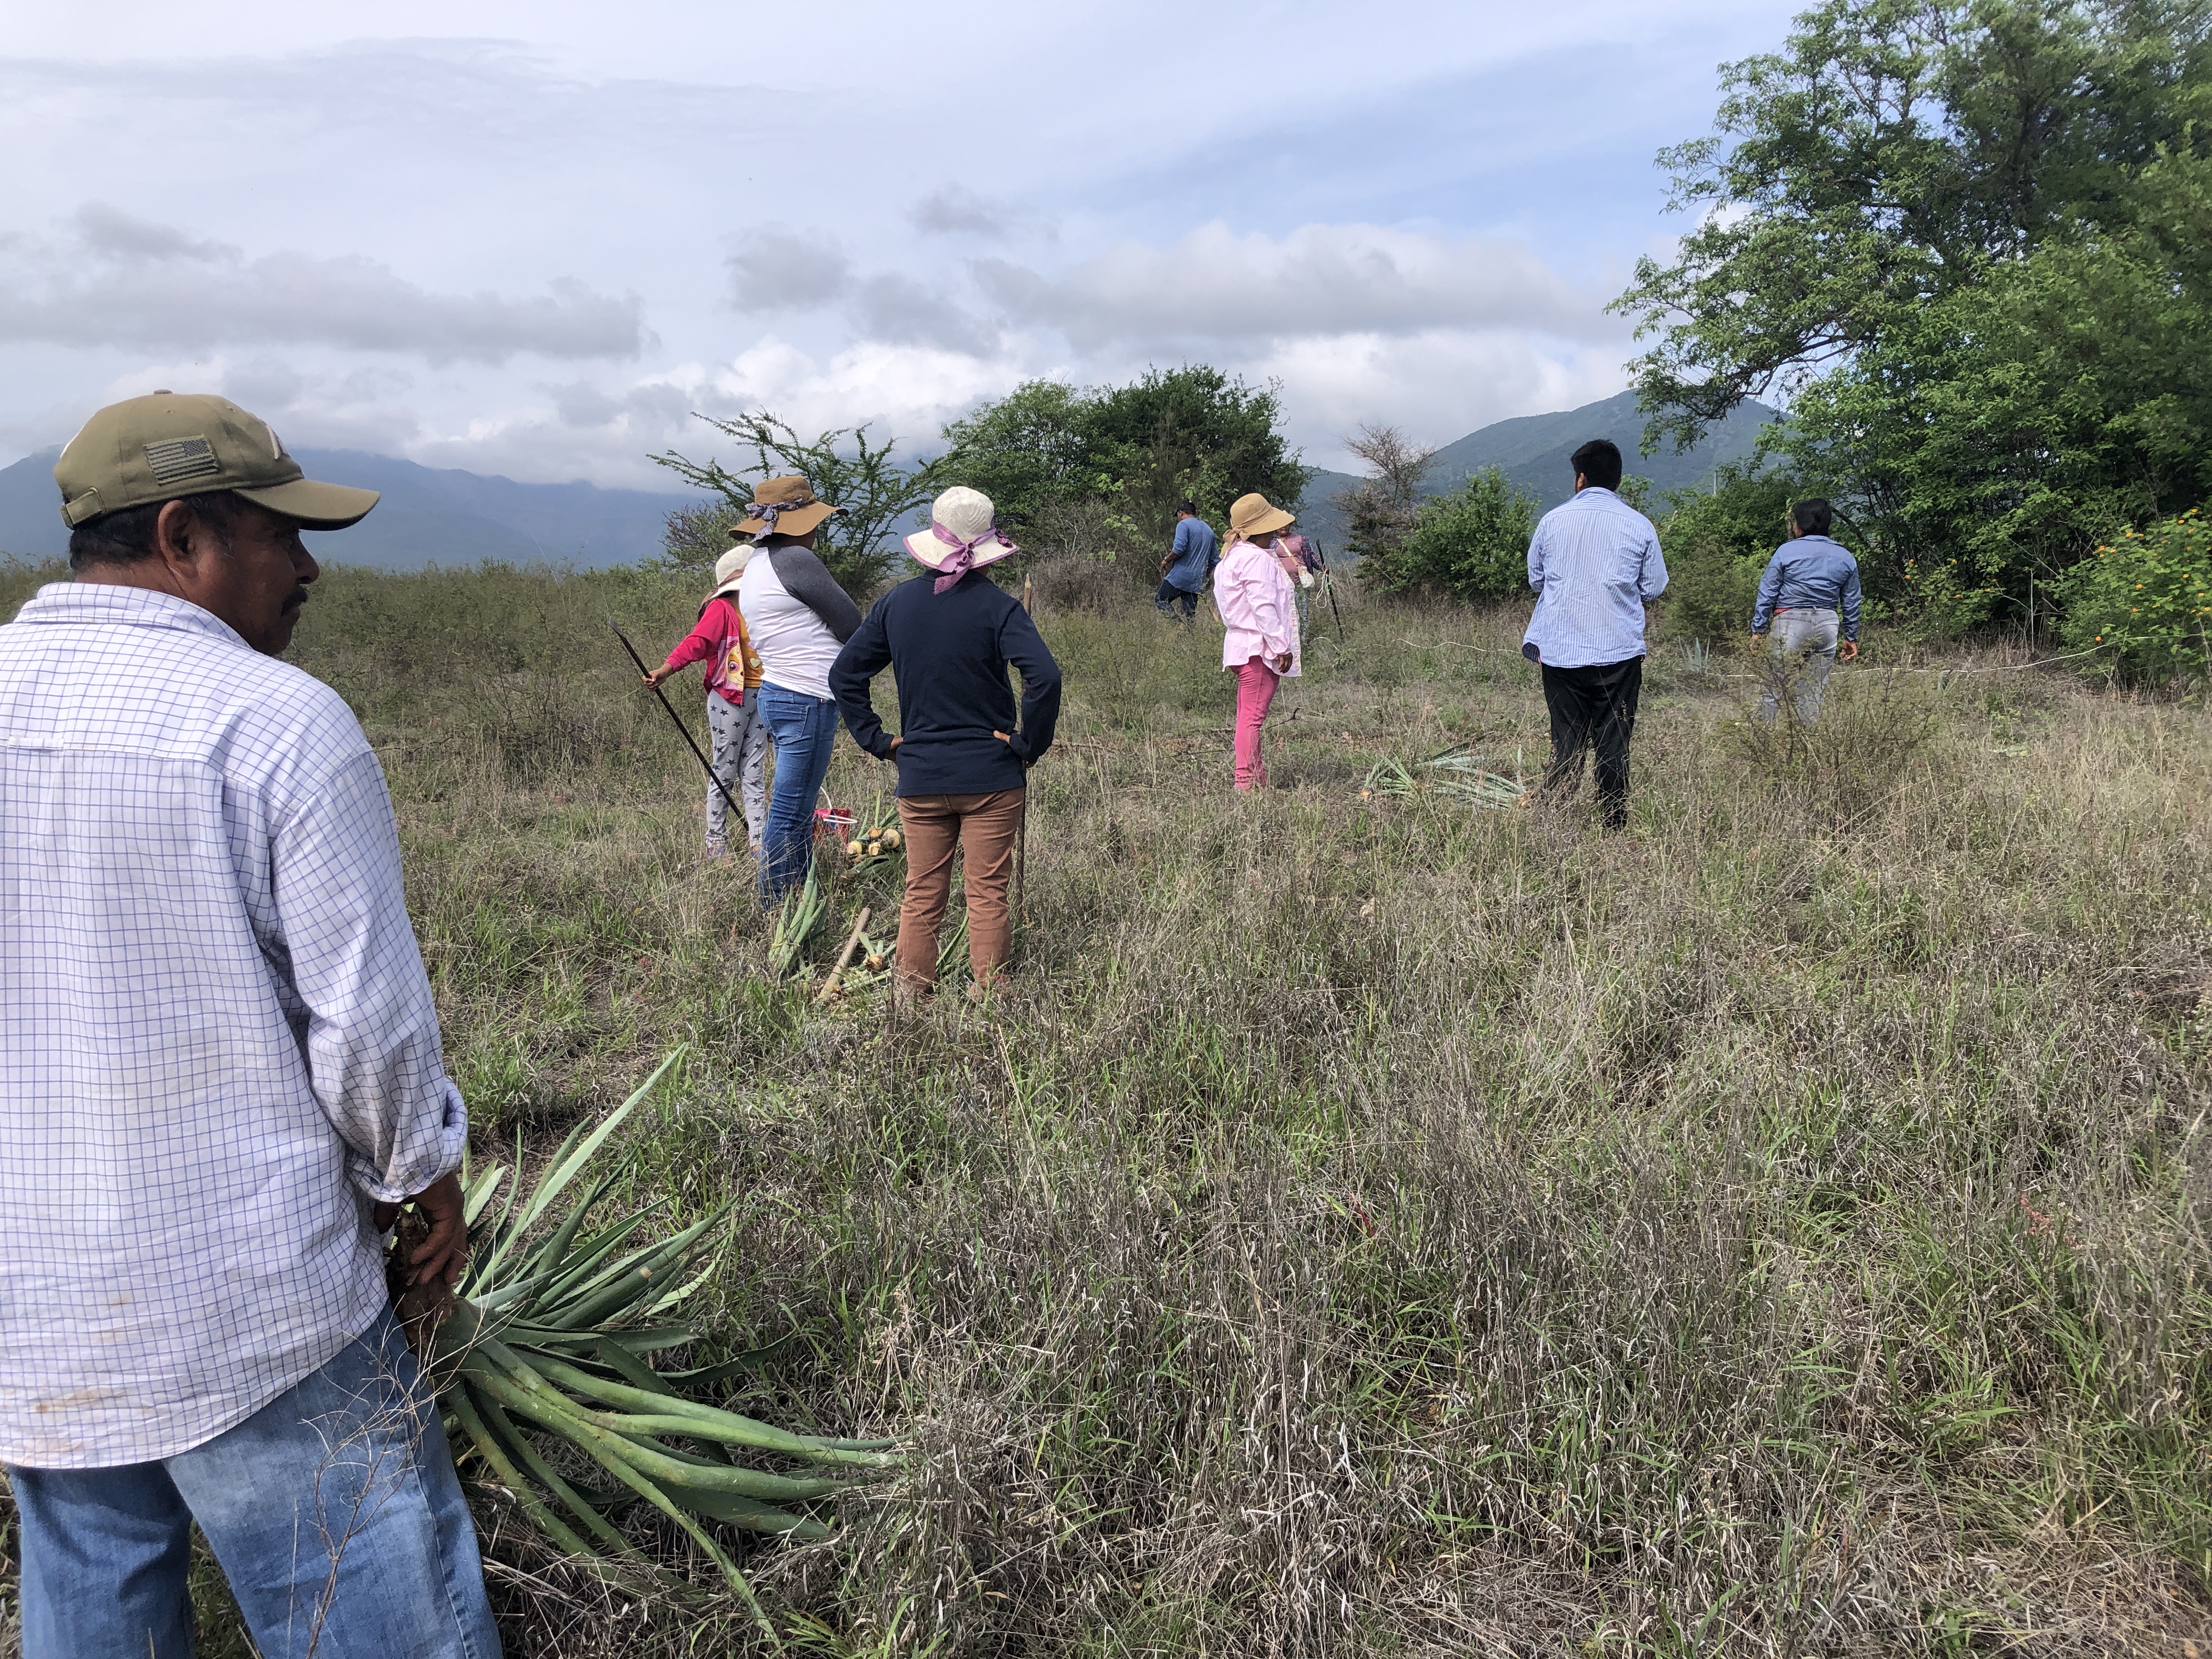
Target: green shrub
{"x": 2143, "y": 602}
{"x": 1472, "y": 544}
{"x": 1717, "y": 542}
{"x": 1709, "y": 590}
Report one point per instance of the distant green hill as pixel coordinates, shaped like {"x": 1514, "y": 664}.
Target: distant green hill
{"x": 1532, "y": 449}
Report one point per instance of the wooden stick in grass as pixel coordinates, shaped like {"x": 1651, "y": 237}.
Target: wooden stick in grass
{"x": 844, "y": 957}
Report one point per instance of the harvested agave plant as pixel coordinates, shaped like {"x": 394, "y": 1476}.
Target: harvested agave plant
{"x": 1455, "y": 774}
{"x": 549, "y": 1341}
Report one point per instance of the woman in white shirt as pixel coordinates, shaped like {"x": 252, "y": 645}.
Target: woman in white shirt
{"x": 797, "y": 617}
{"x": 1259, "y": 607}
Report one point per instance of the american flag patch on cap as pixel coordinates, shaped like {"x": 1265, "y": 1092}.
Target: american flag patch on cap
{"x": 180, "y": 458}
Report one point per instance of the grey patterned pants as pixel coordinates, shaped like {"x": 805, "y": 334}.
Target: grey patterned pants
{"x": 740, "y": 740}
{"x": 1805, "y": 650}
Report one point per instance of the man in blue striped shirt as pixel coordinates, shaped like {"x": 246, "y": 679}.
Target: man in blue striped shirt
{"x": 1594, "y": 564}
{"x": 1810, "y": 593}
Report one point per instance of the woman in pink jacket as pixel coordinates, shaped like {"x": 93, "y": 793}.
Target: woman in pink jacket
{"x": 1259, "y": 607}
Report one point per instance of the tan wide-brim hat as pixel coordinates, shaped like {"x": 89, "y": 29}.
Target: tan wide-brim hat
{"x": 1254, "y": 515}
{"x": 165, "y": 445}
{"x": 796, "y": 510}
{"x": 965, "y": 515}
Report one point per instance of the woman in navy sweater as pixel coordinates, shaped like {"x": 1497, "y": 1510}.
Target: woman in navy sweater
{"x": 962, "y": 756}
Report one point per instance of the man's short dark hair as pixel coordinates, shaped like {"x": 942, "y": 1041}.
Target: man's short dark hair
{"x": 1813, "y": 517}
{"x": 1599, "y": 462}
{"x": 1190, "y": 508}
{"x": 126, "y": 536}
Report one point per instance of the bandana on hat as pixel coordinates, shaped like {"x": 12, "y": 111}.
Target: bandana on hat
{"x": 964, "y": 558}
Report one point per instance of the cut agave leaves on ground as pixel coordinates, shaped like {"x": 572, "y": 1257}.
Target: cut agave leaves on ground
{"x": 552, "y": 1339}
{"x": 795, "y": 924}
{"x": 1455, "y": 774}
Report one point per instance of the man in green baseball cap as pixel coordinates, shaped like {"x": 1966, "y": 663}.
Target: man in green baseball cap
{"x": 153, "y": 487}
{"x": 223, "y": 1077}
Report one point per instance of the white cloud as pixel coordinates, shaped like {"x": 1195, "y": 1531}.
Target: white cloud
{"x": 120, "y": 281}
{"x": 1439, "y": 384}
{"x": 1319, "y": 279}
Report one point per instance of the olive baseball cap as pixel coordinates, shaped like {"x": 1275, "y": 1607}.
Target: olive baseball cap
{"x": 167, "y": 445}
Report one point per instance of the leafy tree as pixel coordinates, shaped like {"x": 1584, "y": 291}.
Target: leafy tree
{"x": 877, "y": 493}
{"x": 1471, "y": 543}
{"x": 1029, "y": 450}
{"x": 1965, "y": 239}
{"x": 1191, "y": 432}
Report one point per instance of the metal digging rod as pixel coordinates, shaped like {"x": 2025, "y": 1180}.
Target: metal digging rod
{"x": 690, "y": 742}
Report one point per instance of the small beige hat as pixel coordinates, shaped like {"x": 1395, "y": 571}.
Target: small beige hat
{"x": 1253, "y": 516}
{"x": 961, "y": 537}
{"x": 729, "y": 567}
{"x": 786, "y": 506}
{"x": 168, "y": 445}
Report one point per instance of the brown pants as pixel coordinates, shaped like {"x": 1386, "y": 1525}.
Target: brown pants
{"x": 985, "y": 828}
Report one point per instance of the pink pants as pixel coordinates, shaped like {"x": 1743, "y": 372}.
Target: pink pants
{"x": 1256, "y": 689}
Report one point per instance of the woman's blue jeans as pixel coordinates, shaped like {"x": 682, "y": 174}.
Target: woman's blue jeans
{"x": 803, "y": 730}
{"x": 333, "y": 1510}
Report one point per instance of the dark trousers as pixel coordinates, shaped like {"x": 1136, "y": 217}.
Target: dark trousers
{"x": 1169, "y": 594}
{"x": 1594, "y": 707}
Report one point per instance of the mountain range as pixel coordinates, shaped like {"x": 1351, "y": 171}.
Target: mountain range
{"x": 428, "y": 516}
{"x": 447, "y": 517}
{"x": 1531, "y": 450}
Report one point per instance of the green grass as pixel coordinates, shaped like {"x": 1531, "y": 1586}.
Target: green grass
{"x": 1385, "y": 1228}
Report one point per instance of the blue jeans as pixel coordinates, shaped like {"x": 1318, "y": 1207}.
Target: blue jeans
{"x": 1166, "y": 600}
{"x": 334, "y": 1511}
{"x": 804, "y": 729}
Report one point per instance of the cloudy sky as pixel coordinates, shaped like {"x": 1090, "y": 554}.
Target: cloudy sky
{"x": 532, "y": 239}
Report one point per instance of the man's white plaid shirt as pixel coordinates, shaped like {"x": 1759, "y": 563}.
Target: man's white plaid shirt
{"x": 216, "y": 1043}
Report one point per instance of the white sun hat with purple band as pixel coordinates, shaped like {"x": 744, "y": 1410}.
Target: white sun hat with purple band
{"x": 961, "y": 537}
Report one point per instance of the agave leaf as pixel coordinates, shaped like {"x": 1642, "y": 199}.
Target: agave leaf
{"x": 711, "y": 1422}
{"x": 508, "y": 1295}
{"x": 736, "y": 1580}
{"x": 551, "y": 1254}
{"x": 682, "y": 1293}
{"x": 480, "y": 1191}
{"x": 753, "y": 1515}
{"x": 519, "y": 1443}
{"x": 615, "y": 1438}
{"x": 587, "y": 1264}
{"x": 501, "y": 1465}
{"x": 574, "y": 1157}
{"x": 722, "y": 1370}
{"x": 627, "y": 1281}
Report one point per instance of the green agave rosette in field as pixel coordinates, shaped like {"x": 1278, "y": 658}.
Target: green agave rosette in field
{"x": 547, "y": 1348}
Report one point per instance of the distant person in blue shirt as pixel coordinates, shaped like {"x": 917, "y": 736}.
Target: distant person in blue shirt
{"x": 1594, "y": 564}
{"x": 1810, "y": 591}
{"x": 1185, "y": 571}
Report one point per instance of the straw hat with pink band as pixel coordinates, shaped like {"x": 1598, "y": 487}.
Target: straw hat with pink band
{"x": 961, "y": 537}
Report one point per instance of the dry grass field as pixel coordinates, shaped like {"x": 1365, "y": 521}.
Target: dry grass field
{"x": 1386, "y": 1228}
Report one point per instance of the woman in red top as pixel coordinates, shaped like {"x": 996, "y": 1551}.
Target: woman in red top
{"x": 733, "y": 678}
